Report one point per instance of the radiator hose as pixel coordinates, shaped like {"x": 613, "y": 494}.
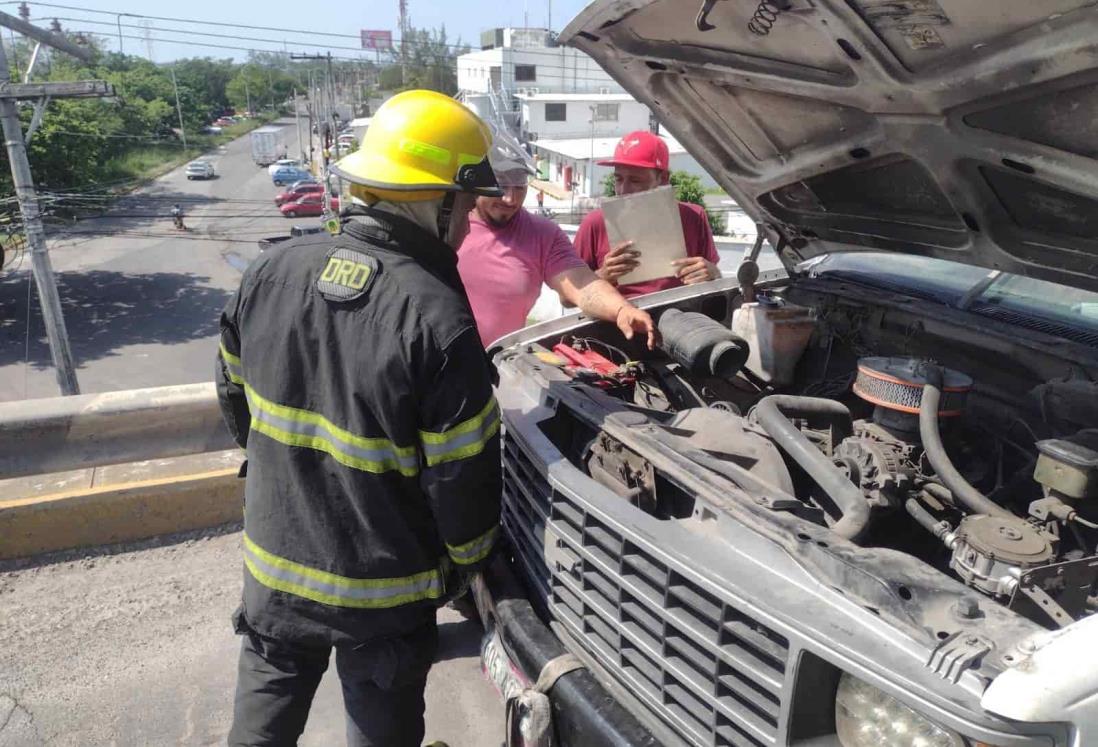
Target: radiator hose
{"x": 701, "y": 344}
{"x": 772, "y": 414}
{"x": 962, "y": 490}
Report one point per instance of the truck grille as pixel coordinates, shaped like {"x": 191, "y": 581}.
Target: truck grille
{"x": 711, "y": 673}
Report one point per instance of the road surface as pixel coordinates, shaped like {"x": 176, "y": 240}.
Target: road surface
{"x": 135, "y": 648}
{"x": 141, "y": 300}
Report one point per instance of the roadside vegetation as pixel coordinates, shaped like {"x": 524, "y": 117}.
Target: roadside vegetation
{"x": 86, "y": 143}
{"x": 143, "y": 162}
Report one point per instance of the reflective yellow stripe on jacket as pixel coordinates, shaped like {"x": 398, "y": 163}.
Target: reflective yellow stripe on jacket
{"x": 475, "y": 551}
{"x": 281, "y": 574}
{"x": 464, "y": 440}
{"x": 296, "y": 427}
{"x": 232, "y": 363}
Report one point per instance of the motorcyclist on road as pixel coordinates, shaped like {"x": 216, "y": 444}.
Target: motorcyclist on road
{"x": 177, "y": 216}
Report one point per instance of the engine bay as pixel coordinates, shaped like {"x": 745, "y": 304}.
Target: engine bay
{"x": 972, "y": 452}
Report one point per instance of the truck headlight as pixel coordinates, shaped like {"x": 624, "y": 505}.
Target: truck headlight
{"x": 867, "y": 717}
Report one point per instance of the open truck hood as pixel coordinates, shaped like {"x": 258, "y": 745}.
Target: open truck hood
{"x": 960, "y": 129}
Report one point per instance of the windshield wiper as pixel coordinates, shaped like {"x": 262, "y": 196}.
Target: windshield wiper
{"x": 978, "y": 290}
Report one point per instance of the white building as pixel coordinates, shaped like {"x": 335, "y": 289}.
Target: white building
{"x": 558, "y": 116}
{"x": 573, "y": 158}
{"x": 516, "y": 59}
{"x": 516, "y": 62}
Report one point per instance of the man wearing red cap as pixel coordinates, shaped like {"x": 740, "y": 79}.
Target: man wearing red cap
{"x": 641, "y": 162}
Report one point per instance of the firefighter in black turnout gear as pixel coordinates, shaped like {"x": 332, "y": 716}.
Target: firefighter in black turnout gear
{"x": 351, "y": 370}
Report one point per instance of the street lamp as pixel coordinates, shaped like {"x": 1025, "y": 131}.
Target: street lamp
{"x": 118, "y": 18}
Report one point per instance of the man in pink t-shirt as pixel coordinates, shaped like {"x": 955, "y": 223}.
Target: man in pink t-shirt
{"x": 641, "y": 162}
{"x": 509, "y": 253}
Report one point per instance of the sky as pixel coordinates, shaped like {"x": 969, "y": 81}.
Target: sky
{"x": 462, "y": 18}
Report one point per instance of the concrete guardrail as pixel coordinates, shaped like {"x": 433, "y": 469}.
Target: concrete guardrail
{"x": 42, "y": 436}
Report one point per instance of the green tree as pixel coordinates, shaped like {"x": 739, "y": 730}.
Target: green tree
{"x": 81, "y": 141}
{"x": 389, "y": 78}
{"x": 430, "y": 62}
{"x": 207, "y": 78}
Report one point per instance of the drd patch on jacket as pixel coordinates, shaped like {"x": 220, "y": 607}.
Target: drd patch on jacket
{"x": 347, "y": 275}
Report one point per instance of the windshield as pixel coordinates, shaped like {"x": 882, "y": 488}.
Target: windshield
{"x": 1002, "y": 295}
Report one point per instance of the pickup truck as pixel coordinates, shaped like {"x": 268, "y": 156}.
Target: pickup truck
{"x": 853, "y": 503}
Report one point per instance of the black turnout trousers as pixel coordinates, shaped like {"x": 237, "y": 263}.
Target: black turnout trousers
{"x": 383, "y": 683}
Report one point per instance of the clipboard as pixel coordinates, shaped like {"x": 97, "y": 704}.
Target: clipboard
{"x": 651, "y": 220}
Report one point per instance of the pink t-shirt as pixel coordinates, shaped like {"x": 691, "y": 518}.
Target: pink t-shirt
{"x": 503, "y": 268}
{"x": 592, "y": 245}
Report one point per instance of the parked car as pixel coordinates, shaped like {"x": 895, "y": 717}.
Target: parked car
{"x": 304, "y": 230}
{"x": 200, "y": 170}
{"x": 298, "y": 190}
{"x": 211, "y": 130}
{"x": 303, "y": 182}
{"x": 282, "y": 163}
{"x": 833, "y": 506}
{"x": 288, "y": 175}
{"x": 308, "y": 204}
{"x": 295, "y": 231}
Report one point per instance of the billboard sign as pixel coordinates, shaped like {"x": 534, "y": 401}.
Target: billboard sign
{"x": 377, "y": 39}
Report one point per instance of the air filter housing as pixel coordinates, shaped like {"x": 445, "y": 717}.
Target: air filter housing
{"x": 897, "y": 384}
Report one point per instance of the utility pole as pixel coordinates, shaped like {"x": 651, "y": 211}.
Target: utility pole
{"x": 297, "y": 119}
{"x": 324, "y": 118}
{"x": 331, "y": 95}
{"x": 148, "y": 40}
{"x": 179, "y": 109}
{"x": 25, "y": 193}
{"x": 248, "y": 93}
{"x": 403, "y": 6}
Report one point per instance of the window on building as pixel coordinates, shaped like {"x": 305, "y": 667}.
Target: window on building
{"x": 526, "y": 73}
{"x": 556, "y": 112}
{"x": 606, "y": 112}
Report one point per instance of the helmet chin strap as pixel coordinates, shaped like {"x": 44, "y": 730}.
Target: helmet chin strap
{"x": 445, "y": 212}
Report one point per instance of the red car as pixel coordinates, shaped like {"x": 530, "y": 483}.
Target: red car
{"x": 295, "y": 193}
{"x": 309, "y": 204}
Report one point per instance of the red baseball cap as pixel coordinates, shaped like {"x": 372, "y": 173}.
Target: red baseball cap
{"x": 640, "y": 148}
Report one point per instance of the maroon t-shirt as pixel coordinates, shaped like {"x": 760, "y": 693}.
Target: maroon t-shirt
{"x": 592, "y": 245}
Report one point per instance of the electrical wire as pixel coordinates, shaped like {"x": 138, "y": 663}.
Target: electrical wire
{"x": 397, "y": 41}
{"x": 453, "y": 66}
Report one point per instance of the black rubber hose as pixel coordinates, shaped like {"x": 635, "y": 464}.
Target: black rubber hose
{"x": 771, "y": 414}
{"x": 962, "y": 490}
{"x": 939, "y": 529}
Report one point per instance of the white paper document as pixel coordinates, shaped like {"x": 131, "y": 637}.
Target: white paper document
{"x": 651, "y": 221}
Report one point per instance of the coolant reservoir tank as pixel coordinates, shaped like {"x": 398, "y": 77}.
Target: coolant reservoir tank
{"x": 777, "y": 334}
